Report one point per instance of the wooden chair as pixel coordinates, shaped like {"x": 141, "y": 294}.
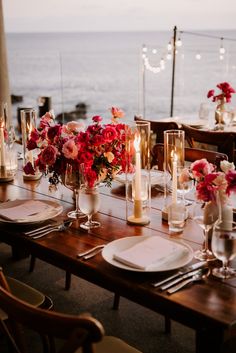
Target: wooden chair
{"x": 75, "y": 331}
{"x": 191, "y": 155}
{"x": 158, "y": 127}
{"x": 223, "y": 141}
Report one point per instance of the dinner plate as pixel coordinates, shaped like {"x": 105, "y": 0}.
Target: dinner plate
{"x": 122, "y": 244}
{"x": 157, "y": 177}
{"x": 54, "y": 211}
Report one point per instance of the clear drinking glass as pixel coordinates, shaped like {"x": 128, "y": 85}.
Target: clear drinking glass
{"x": 224, "y": 247}
{"x": 72, "y": 182}
{"x": 89, "y": 203}
{"x": 205, "y": 215}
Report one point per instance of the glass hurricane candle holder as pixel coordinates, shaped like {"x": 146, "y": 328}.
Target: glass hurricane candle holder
{"x": 8, "y": 161}
{"x": 138, "y": 186}
{"x": 173, "y": 159}
{"x": 28, "y": 125}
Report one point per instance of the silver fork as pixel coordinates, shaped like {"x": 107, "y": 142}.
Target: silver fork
{"x": 40, "y": 232}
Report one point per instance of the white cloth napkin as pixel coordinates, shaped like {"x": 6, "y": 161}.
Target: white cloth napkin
{"x": 29, "y": 208}
{"x": 154, "y": 250}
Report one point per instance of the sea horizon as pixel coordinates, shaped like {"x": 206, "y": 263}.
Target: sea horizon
{"x": 104, "y": 69}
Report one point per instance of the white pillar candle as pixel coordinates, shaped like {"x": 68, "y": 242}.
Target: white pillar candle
{"x": 174, "y": 177}
{"x": 137, "y": 180}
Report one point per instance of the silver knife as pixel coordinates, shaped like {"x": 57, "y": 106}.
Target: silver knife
{"x": 89, "y": 256}
{"x": 180, "y": 273}
{"x": 179, "y": 279}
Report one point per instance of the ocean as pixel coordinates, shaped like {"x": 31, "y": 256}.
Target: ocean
{"x": 106, "y": 69}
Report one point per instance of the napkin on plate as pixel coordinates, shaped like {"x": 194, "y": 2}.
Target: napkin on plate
{"x": 154, "y": 250}
{"x": 28, "y": 208}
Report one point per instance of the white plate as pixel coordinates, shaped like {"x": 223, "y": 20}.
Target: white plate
{"x": 55, "y": 211}
{"x": 157, "y": 177}
{"x": 125, "y": 243}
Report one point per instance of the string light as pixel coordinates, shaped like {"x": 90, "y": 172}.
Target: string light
{"x": 222, "y": 49}
{"x": 179, "y": 42}
{"x": 168, "y": 56}
{"x": 169, "y": 46}
{"x": 198, "y": 56}
{"x": 144, "y": 49}
{"x": 221, "y": 57}
{"x": 154, "y": 51}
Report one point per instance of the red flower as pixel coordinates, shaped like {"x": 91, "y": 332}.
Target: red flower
{"x": 31, "y": 145}
{"x": 28, "y": 169}
{"x": 226, "y": 92}
{"x": 231, "y": 179}
{"x": 97, "y": 119}
{"x": 54, "y": 131}
{"x": 49, "y": 155}
{"x": 109, "y": 134}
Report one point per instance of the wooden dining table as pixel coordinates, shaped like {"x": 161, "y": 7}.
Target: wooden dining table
{"x": 208, "y": 307}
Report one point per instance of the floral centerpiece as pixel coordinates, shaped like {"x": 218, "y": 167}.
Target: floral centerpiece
{"x": 209, "y": 181}
{"x": 223, "y": 96}
{"x": 101, "y": 148}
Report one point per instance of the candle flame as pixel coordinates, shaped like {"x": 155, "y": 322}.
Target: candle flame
{"x": 174, "y": 156}
{"x": 137, "y": 140}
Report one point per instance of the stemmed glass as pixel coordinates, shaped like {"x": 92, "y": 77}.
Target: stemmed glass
{"x": 89, "y": 200}
{"x": 184, "y": 183}
{"x": 72, "y": 182}
{"x": 205, "y": 215}
{"x": 224, "y": 248}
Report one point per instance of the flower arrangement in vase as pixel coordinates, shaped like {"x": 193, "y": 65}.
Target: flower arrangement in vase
{"x": 223, "y": 97}
{"x": 99, "y": 147}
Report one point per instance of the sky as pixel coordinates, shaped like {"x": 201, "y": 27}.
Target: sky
{"x": 117, "y": 15}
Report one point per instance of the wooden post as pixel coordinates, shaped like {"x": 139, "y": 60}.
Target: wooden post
{"x": 4, "y": 81}
{"x": 173, "y": 73}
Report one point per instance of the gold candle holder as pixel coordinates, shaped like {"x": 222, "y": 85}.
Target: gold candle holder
{"x": 138, "y": 186}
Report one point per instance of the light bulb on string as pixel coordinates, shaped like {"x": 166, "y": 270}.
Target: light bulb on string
{"x": 169, "y": 46}
{"x": 162, "y": 64}
{"x": 222, "y": 49}
{"x": 179, "y": 42}
{"x": 198, "y": 56}
{"x": 221, "y": 57}
{"x": 144, "y": 49}
{"x": 168, "y": 56}
{"x": 154, "y": 51}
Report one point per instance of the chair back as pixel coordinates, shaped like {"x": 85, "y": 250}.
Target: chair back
{"x": 224, "y": 141}
{"x": 76, "y": 331}
{"x": 158, "y": 127}
{"x": 191, "y": 155}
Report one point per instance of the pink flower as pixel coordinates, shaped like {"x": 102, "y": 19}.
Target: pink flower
{"x": 31, "y": 145}
{"x": 210, "y": 93}
{"x": 97, "y": 119}
{"x": 70, "y": 149}
{"x": 117, "y": 112}
{"x": 231, "y": 179}
{"x": 46, "y": 120}
{"x": 74, "y": 127}
{"x": 201, "y": 168}
{"x": 49, "y": 155}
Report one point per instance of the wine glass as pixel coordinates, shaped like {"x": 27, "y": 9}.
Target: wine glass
{"x": 224, "y": 247}
{"x": 205, "y": 214}
{"x": 184, "y": 183}
{"x": 72, "y": 182}
{"x": 89, "y": 203}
